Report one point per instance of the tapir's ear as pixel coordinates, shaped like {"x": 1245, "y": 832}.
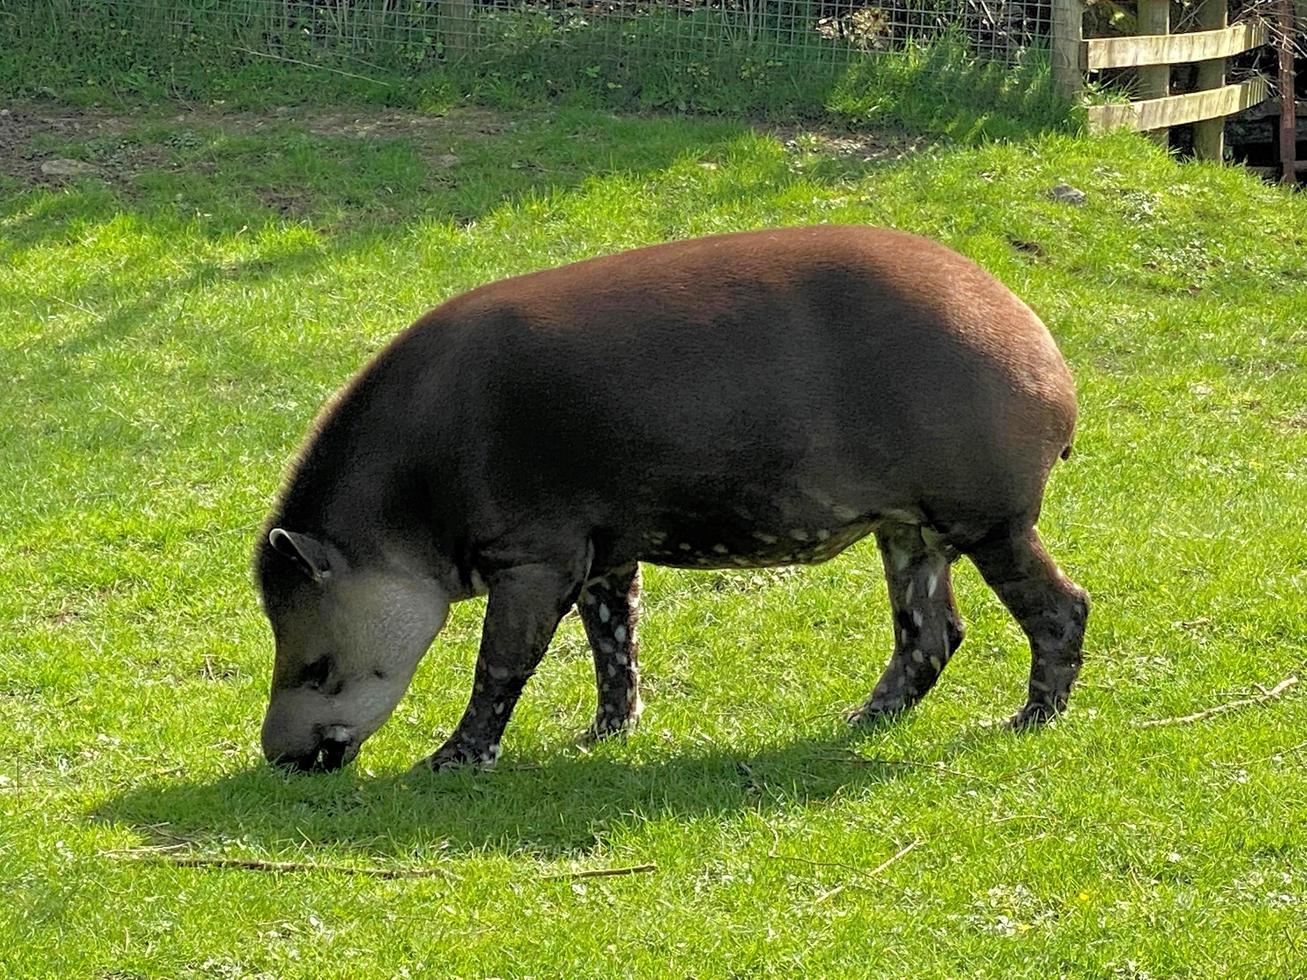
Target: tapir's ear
{"x": 306, "y": 552}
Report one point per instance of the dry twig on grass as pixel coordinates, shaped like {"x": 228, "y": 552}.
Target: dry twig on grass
{"x": 634, "y": 869}
{"x": 870, "y": 874}
{"x": 309, "y": 64}
{"x": 159, "y": 855}
{"x": 772, "y": 855}
{"x": 1265, "y": 696}
{"x": 154, "y": 856}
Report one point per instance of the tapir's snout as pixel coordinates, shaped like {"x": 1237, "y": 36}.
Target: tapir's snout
{"x": 321, "y": 749}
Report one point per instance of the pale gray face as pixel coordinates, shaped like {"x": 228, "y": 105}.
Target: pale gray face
{"x": 348, "y": 642}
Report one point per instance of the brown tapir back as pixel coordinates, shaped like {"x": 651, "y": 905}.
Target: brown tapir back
{"x": 757, "y": 398}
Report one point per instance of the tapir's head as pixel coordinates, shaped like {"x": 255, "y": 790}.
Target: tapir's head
{"x": 348, "y": 642}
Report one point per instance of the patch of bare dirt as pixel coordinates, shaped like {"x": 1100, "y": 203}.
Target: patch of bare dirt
{"x": 52, "y": 145}
{"x": 31, "y": 133}
{"x": 19, "y": 125}
{"x": 399, "y": 123}
{"x": 288, "y": 204}
{"x": 36, "y": 140}
{"x": 866, "y": 147}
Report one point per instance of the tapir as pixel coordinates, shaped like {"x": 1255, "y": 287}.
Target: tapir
{"x": 744, "y": 400}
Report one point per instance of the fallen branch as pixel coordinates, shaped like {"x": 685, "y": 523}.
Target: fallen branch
{"x": 776, "y": 843}
{"x": 309, "y": 64}
{"x": 635, "y": 869}
{"x": 870, "y": 874}
{"x": 1262, "y": 698}
{"x": 1277, "y": 754}
{"x": 159, "y": 855}
{"x": 153, "y": 856}
{"x": 816, "y": 864}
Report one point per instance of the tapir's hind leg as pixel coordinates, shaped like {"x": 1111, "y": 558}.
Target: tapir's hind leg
{"x": 610, "y": 609}
{"x": 1051, "y": 609}
{"x": 927, "y": 627}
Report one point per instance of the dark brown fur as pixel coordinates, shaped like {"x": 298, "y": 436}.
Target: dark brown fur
{"x": 741, "y": 400}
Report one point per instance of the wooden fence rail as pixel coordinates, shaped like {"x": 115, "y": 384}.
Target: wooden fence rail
{"x": 1170, "y": 49}
{"x": 1153, "y": 53}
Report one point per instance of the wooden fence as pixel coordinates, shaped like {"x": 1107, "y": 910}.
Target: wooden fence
{"x": 1153, "y": 52}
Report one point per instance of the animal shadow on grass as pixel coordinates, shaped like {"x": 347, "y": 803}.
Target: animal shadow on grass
{"x": 560, "y": 805}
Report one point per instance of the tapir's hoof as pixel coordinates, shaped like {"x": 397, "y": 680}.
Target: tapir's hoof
{"x": 456, "y": 755}
{"x": 1034, "y": 715}
{"x": 610, "y": 723}
{"x": 877, "y": 712}
{"x": 608, "y": 727}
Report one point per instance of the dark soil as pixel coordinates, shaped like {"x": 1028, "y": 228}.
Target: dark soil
{"x": 31, "y": 135}
{"x": 862, "y": 147}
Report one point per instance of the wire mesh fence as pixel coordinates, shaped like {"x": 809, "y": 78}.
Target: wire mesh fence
{"x": 611, "y": 39}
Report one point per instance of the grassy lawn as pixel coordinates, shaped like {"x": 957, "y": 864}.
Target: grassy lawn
{"x": 170, "y": 323}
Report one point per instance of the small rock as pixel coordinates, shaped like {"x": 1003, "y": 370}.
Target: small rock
{"x": 1067, "y": 194}
{"x": 62, "y": 167}
{"x": 446, "y": 160}
{"x": 4, "y": 112}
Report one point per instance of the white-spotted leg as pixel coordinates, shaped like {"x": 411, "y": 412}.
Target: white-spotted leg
{"x": 927, "y": 627}
{"x": 610, "y": 611}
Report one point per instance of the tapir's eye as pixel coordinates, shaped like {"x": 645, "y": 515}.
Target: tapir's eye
{"x": 316, "y": 673}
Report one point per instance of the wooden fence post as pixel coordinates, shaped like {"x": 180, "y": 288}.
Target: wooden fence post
{"x": 1068, "y": 32}
{"x": 1288, "y": 104}
{"x": 1209, "y": 136}
{"x": 1154, "y": 17}
{"x": 457, "y": 27}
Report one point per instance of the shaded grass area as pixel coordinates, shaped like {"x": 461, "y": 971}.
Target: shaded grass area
{"x": 254, "y": 57}
{"x": 170, "y": 325}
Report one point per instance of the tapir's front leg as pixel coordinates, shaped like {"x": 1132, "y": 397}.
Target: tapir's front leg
{"x": 525, "y": 606}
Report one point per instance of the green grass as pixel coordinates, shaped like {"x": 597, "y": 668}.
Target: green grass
{"x": 168, "y": 332}
{"x": 704, "y": 61}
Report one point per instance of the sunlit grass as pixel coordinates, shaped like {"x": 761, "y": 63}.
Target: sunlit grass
{"x": 167, "y": 337}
